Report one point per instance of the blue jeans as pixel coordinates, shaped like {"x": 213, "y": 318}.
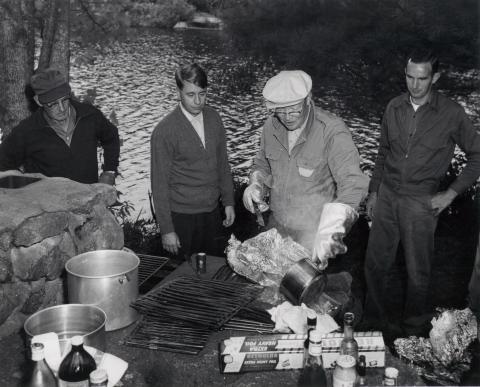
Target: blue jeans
{"x": 409, "y": 220}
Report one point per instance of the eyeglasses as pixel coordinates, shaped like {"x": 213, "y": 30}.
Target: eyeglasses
{"x": 285, "y": 113}
{"x": 293, "y": 112}
{"x": 56, "y": 103}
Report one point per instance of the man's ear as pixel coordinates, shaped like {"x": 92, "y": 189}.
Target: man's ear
{"x": 435, "y": 77}
{"x": 35, "y": 97}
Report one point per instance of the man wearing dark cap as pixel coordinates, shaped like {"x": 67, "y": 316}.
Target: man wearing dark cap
{"x": 61, "y": 137}
{"x": 311, "y": 167}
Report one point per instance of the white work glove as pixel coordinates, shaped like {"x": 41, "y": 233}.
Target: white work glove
{"x": 335, "y": 222}
{"x": 254, "y": 194}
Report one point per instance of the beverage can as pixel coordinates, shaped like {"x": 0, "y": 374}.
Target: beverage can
{"x": 201, "y": 263}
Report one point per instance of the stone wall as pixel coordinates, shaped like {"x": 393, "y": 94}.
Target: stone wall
{"x": 42, "y": 225}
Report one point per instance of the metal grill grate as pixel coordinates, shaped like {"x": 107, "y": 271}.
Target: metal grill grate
{"x": 169, "y": 336}
{"x": 149, "y": 266}
{"x": 179, "y": 315}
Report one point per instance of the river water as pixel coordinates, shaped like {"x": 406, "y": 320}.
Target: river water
{"x": 135, "y": 78}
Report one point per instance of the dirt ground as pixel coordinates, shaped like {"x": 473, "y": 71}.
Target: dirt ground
{"x": 455, "y": 246}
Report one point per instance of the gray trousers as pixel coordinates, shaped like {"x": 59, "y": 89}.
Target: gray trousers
{"x": 409, "y": 220}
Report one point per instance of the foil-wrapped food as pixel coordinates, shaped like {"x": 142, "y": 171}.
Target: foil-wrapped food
{"x": 444, "y": 356}
{"x": 265, "y": 258}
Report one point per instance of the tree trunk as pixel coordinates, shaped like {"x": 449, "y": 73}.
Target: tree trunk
{"x": 16, "y": 45}
{"x": 60, "y": 57}
{"x": 55, "y": 50}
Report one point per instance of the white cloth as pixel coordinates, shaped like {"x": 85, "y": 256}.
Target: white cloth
{"x": 290, "y": 317}
{"x": 197, "y": 123}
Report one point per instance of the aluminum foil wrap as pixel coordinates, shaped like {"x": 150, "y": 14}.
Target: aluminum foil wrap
{"x": 444, "y": 356}
{"x": 265, "y": 258}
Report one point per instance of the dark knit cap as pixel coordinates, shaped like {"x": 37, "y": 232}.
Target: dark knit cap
{"x": 49, "y": 85}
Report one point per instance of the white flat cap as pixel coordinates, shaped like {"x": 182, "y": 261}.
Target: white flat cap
{"x": 287, "y": 88}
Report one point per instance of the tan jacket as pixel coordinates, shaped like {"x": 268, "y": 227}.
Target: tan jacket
{"x": 323, "y": 167}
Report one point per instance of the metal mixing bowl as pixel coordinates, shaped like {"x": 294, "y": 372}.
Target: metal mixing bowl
{"x": 68, "y": 320}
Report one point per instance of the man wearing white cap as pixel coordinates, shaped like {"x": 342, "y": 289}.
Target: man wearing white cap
{"x": 308, "y": 161}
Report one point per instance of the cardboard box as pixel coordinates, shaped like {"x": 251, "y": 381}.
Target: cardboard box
{"x": 370, "y": 344}
{"x": 262, "y": 353}
{"x": 287, "y": 351}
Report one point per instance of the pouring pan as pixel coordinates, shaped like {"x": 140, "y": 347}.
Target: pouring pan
{"x": 303, "y": 283}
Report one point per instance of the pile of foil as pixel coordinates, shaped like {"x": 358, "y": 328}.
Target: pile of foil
{"x": 444, "y": 356}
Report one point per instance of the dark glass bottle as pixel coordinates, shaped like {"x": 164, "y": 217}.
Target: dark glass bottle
{"x": 77, "y": 365}
{"x": 313, "y": 373}
{"x": 349, "y": 345}
{"x": 40, "y": 374}
{"x": 361, "y": 369}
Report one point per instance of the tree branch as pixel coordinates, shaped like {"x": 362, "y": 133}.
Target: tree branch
{"x": 90, "y": 16}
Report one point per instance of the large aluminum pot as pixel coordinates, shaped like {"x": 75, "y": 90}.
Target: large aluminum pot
{"x": 68, "y": 320}
{"x": 108, "y": 279}
{"x": 303, "y": 283}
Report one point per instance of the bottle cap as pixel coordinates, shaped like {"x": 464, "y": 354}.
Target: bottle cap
{"x": 37, "y": 351}
{"x": 391, "y": 372}
{"x": 346, "y": 361}
{"x": 361, "y": 358}
{"x": 315, "y": 336}
{"x": 77, "y": 340}
{"x": 349, "y": 317}
{"x": 201, "y": 254}
{"x": 311, "y": 315}
{"x": 99, "y": 375}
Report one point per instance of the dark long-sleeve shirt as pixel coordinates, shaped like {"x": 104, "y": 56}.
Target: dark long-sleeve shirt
{"x": 34, "y": 145}
{"x": 416, "y": 147}
{"x": 186, "y": 176}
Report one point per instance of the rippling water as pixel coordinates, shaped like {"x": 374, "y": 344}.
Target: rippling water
{"x": 135, "y": 78}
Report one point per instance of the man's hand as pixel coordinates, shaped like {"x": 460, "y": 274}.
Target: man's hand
{"x": 254, "y": 194}
{"x": 229, "y": 216}
{"x": 107, "y": 177}
{"x": 171, "y": 243}
{"x": 442, "y": 200}
{"x": 371, "y": 202}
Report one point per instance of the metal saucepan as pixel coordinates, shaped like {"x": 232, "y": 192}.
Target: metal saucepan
{"x": 303, "y": 283}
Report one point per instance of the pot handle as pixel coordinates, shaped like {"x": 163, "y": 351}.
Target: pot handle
{"x": 123, "y": 278}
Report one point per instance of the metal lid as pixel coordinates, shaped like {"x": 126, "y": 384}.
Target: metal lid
{"x": 37, "y": 351}
{"x": 77, "y": 340}
{"x": 346, "y": 361}
{"x": 391, "y": 372}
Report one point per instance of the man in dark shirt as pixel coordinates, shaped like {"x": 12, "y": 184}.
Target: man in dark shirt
{"x": 418, "y": 136}
{"x": 61, "y": 137}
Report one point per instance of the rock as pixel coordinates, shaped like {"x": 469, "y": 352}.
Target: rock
{"x": 43, "y": 223}
{"x": 12, "y": 297}
{"x": 37, "y": 228}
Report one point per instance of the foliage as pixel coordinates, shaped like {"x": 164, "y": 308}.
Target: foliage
{"x": 142, "y": 236}
{"x": 104, "y": 20}
{"x": 361, "y": 43}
